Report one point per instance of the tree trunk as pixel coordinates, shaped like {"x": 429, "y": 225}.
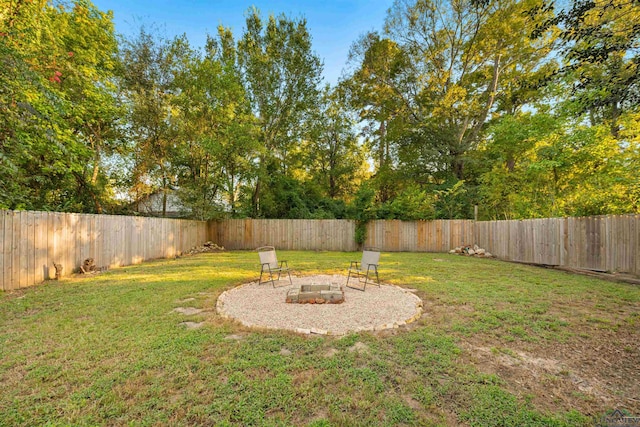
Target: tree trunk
{"x": 96, "y": 162}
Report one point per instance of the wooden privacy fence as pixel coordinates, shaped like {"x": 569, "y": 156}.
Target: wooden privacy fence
{"x": 30, "y": 242}
{"x": 603, "y": 243}
{"x": 339, "y": 235}
{"x": 285, "y": 234}
{"x": 419, "y": 236}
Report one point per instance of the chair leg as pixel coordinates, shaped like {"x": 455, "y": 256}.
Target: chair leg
{"x": 359, "y": 278}
{"x": 261, "y": 271}
{"x": 271, "y": 277}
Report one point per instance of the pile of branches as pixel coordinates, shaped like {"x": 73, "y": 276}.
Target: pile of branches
{"x": 206, "y": 247}
{"x": 474, "y": 250}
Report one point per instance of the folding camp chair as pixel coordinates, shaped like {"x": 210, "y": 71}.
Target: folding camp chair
{"x": 366, "y": 268}
{"x": 269, "y": 264}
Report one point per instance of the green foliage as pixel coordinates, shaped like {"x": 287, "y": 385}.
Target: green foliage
{"x": 362, "y": 210}
{"x": 600, "y": 47}
{"x": 450, "y": 105}
{"x": 281, "y": 76}
{"x": 544, "y": 166}
{"x": 58, "y": 105}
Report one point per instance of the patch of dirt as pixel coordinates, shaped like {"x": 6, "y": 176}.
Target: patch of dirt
{"x": 595, "y": 370}
{"x": 412, "y": 403}
{"x": 330, "y": 353}
{"x": 234, "y": 337}
{"x": 285, "y": 352}
{"x": 591, "y": 375}
{"x": 359, "y": 347}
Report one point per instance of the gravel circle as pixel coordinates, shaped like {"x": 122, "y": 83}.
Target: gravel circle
{"x": 377, "y": 308}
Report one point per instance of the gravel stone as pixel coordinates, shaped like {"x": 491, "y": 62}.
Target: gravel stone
{"x": 377, "y": 308}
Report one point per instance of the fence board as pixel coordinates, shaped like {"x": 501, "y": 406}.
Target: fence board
{"x": 17, "y": 258}
{"x": 8, "y": 245}
{"x": 2, "y": 216}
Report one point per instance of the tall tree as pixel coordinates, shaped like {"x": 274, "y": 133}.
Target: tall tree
{"x": 147, "y": 84}
{"x": 88, "y": 52}
{"x": 216, "y": 141}
{"x": 380, "y": 89}
{"x": 467, "y": 55}
{"x": 281, "y": 75}
{"x": 333, "y": 157}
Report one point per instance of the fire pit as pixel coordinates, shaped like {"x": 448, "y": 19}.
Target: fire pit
{"x": 316, "y": 294}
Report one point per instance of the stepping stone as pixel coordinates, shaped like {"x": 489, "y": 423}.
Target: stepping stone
{"x": 285, "y": 352}
{"x": 192, "y": 325}
{"x": 234, "y": 337}
{"x": 188, "y": 310}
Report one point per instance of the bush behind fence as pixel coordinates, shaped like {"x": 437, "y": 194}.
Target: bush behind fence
{"x": 30, "y": 242}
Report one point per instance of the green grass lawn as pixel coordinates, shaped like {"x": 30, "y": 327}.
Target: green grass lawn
{"x": 499, "y": 345}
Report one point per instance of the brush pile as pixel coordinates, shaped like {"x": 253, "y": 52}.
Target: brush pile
{"x": 468, "y": 250}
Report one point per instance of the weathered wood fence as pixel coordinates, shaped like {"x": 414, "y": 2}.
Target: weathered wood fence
{"x": 285, "y": 234}
{"x": 419, "y": 236}
{"x": 602, "y": 243}
{"x": 339, "y": 235}
{"x": 30, "y": 242}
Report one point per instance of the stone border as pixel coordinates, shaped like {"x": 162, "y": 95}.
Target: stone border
{"x": 220, "y": 309}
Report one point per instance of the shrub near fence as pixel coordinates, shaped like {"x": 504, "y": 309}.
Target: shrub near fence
{"x": 30, "y": 242}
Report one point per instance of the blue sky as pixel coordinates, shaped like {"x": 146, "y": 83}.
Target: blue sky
{"x": 334, "y": 24}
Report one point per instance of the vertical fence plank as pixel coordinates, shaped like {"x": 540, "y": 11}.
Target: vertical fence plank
{"x": 6, "y": 243}
{"x": 31, "y": 246}
{"x": 40, "y": 248}
{"x": 2, "y": 249}
{"x": 15, "y": 248}
{"x": 9, "y": 258}
{"x": 24, "y": 247}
